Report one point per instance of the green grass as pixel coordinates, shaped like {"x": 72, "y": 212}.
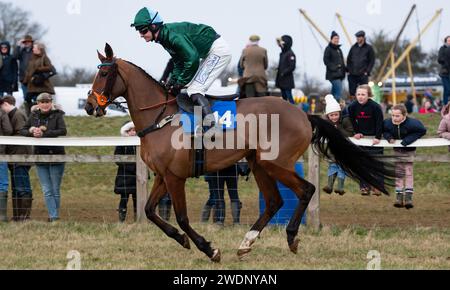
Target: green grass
{"x": 352, "y": 224}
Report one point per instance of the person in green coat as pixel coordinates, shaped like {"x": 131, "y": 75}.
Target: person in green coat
{"x": 199, "y": 54}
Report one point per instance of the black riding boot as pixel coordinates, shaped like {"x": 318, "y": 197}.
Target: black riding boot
{"x": 202, "y": 101}
{"x": 164, "y": 206}
{"x": 206, "y": 212}
{"x": 219, "y": 213}
{"x": 236, "y": 211}
{"x": 329, "y": 187}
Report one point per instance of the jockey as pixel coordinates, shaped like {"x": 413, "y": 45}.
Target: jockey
{"x": 199, "y": 54}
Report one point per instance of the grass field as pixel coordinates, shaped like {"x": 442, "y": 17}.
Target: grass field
{"x": 352, "y": 224}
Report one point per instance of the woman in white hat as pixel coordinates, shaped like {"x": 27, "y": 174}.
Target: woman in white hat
{"x": 333, "y": 114}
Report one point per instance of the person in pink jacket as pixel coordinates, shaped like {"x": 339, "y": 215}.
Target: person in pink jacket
{"x": 444, "y": 126}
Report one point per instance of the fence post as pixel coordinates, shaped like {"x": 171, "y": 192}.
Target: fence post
{"x": 313, "y": 177}
{"x": 141, "y": 186}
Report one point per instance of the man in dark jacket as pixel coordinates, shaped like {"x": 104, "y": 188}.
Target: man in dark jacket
{"x": 334, "y": 61}
{"x": 8, "y": 70}
{"x": 444, "y": 61}
{"x": 198, "y": 52}
{"x": 23, "y": 53}
{"x": 360, "y": 62}
{"x": 286, "y": 67}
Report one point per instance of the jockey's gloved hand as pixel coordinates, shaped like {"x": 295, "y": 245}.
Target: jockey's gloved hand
{"x": 175, "y": 89}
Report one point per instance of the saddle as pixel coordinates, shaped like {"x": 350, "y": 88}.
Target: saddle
{"x": 186, "y": 104}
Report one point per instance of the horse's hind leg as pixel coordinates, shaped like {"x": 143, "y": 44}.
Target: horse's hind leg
{"x": 273, "y": 201}
{"x": 177, "y": 192}
{"x": 303, "y": 189}
{"x": 158, "y": 191}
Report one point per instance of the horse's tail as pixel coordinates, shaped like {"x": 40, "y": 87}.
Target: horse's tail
{"x": 357, "y": 163}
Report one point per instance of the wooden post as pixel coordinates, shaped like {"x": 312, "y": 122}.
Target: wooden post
{"x": 394, "y": 88}
{"x": 411, "y": 76}
{"x": 313, "y": 177}
{"x": 141, "y": 186}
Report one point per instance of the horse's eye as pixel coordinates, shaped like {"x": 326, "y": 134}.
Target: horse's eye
{"x": 103, "y": 74}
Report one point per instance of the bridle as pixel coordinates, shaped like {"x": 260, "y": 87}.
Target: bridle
{"x": 104, "y": 98}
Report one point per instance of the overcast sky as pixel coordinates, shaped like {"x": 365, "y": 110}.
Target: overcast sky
{"x": 76, "y": 28}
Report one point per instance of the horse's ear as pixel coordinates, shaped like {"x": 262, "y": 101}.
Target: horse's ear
{"x": 100, "y": 56}
{"x": 109, "y": 52}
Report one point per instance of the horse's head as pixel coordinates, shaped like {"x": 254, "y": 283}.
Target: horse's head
{"x": 107, "y": 86}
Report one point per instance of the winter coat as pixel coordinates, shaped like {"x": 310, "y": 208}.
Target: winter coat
{"x": 8, "y": 71}
{"x": 126, "y": 173}
{"x": 39, "y": 64}
{"x": 334, "y": 61}
{"x": 366, "y": 119}
{"x": 18, "y": 121}
{"x": 444, "y": 126}
{"x": 286, "y": 66}
{"x": 54, "y": 126}
{"x": 444, "y": 60}
{"x": 360, "y": 60}
{"x": 5, "y": 129}
{"x": 23, "y": 55}
{"x": 344, "y": 125}
{"x": 408, "y": 131}
{"x": 254, "y": 62}
{"x": 186, "y": 43}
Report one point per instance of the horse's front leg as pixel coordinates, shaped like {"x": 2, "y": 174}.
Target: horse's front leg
{"x": 176, "y": 187}
{"x": 158, "y": 191}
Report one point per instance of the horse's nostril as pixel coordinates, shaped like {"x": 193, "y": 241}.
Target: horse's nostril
{"x": 89, "y": 109}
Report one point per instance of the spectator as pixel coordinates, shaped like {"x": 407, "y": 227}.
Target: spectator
{"x": 401, "y": 127}
{"x": 254, "y": 63}
{"x": 125, "y": 183}
{"x": 37, "y": 76}
{"x": 360, "y": 62}
{"x": 367, "y": 120}
{"x": 333, "y": 115}
{"x": 444, "y": 125}
{"x": 5, "y": 130}
{"x": 409, "y": 104}
{"x": 286, "y": 67}
{"x": 444, "y": 61}
{"x": 22, "y": 195}
{"x": 23, "y": 53}
{"x": 334, "y": 61}
{"x": 47, "y": 121}
{"x": 8, "y": 70}
{"x": 427, "y": 108}
{"x": 216, "y": 201}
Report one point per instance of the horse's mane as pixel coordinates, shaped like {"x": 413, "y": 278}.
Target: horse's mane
{"x": 147, "y": 75}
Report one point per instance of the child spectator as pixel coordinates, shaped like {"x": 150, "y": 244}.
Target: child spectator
{"x": 427, "y": 108}
{"x": 401, "y": 127}
{"x": 444, "y": 126}
{"x": 367, "y": 120}
{"x": 125, "y": 183}
{"x": 47, "y": 121}
{"x": 333, "y": 114}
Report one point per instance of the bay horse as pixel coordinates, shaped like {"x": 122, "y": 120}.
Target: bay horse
{"x": 148, "y": 102}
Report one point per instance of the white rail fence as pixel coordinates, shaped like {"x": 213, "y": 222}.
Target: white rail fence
{"x": 142, "y": 170}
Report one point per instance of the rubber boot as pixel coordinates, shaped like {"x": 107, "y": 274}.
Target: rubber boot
{"x": 329, "y": 187}
{"x": 164, "y": 208}
{"x": 3, "y": 206}
{"x": 15, "y": 205}
{"x": 122, "y": 214}
{"x": 340, "y": 187}
{"x": 236, "y": 211}
{"x": 206, "y": 212}
{"x": 27, "y": 204}
{"x": 408, "y": 199}
{"x": 399, "y": 202}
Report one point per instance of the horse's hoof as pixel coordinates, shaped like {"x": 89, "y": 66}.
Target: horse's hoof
{"x": 186, "y": 243}
{"x": 216, "y": 256}
{"x": 242, "y": 253}
{"x": 294, "y": 246}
